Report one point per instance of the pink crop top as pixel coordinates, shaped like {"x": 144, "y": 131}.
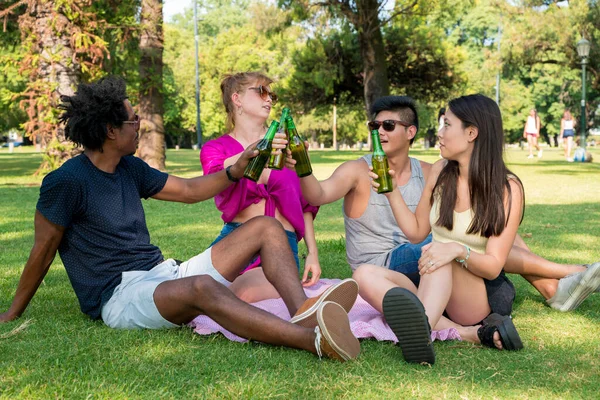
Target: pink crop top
{"x": 282, "y": 191}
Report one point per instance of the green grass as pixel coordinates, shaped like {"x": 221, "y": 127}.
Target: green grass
{"x": 62, "y": 354}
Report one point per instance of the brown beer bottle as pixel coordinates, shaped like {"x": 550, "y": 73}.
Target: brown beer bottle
{"x": 257, "y": 164}
{"x": 277, "y": 160}
{"x": 380, "y": 165}
{"x": 298, "y": 149}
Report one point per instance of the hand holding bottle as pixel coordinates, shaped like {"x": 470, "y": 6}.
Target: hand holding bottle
{"x": 279, "y": 142}
{"x": 237, "y": 169}
{"x": 375, "y": 181}
{"x": 290, "y": 163}
{"x": 264, "y": 146}
{"x": 380, "y": 165}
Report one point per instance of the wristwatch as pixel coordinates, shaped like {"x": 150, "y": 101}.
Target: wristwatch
{"x": 229, "y": 176}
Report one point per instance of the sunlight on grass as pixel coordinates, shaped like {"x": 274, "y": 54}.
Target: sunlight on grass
{"x": 65, "y": 355}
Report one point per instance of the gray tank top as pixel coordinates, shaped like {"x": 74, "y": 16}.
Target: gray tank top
{"x": 371, "y": 237}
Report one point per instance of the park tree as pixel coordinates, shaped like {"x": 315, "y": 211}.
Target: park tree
{"x": 539, "y": 54}
{"x": 537, "y": 60}
{"x": 51, "y": 38}
{"x": 60, "y": 44}
{"x": 239, "y": 36}
{"x": 11, "y": 81}
{"x": 151, "y": 102}
{"x": 367, "y": 18}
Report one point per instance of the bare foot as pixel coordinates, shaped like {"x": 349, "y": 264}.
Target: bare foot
{"x": 469, "y": 334}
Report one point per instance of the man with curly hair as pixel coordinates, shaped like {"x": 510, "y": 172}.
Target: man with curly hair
{"x": 90, "y": 211}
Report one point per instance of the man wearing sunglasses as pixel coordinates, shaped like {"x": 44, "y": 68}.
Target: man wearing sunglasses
{"x": 372, "y": 235}
{"x": 90, "y": 211}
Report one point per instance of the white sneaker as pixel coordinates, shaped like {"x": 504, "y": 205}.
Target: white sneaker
{"x": 574, "y": 289}
{"x": 587, "y": 266}
{"x": 530, "y": 156}
{"x": 569, "y": 159}
{"x": 540, "y": 153}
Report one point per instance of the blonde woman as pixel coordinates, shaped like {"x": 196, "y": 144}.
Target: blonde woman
{"x": 248, "y": 100}
{"x": 567, "y": 133}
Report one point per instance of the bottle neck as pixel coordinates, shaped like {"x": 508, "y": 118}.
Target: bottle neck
{"x": 272, "y": 130}
{"x": 284, "y": 114}
{"x": 376, "y": 142}
{"x": 289, "y": 123}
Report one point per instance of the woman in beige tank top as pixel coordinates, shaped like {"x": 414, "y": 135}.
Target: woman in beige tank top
{"x": 473, "y": 205}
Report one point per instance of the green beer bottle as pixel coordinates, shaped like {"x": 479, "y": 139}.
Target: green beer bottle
{"x": 298, "y": 149}
{"x": 277, "y": 160}
{"x": 258, "y": 163}
{"x": 380, "y": 165}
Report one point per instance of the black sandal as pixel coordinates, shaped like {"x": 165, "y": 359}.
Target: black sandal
{"x": 508, "y": 333}
{"x": 404, "y": 313}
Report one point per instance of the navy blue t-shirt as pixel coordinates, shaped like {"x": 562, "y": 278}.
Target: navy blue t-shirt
{"x": 106, "y": 232}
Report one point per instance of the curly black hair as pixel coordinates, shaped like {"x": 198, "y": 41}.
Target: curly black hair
{"x": 94, "y": 105}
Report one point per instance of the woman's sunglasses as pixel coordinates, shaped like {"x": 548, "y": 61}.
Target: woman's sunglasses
{"x": 135, "y": 122}
{"x": 388, "y": 125}
{"x": 265, "y": 93}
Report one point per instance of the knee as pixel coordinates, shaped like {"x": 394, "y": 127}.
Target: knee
{"x": 364, "y": 273}
{"x": 204, "y": 286}
{"x": 267, "y": 226}
{"x": 444, "y": 270}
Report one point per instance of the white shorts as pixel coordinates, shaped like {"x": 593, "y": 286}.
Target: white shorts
{"x": 132, "y": 304}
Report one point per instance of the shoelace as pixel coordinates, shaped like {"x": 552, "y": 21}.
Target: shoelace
{"x": 318, "y": 342}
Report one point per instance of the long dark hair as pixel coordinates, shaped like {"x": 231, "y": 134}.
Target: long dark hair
{"x": 488, "y": 175}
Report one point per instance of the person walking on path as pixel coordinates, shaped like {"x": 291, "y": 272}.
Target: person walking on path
{"x": 567, "y": 133}
{"x": 531, "y": 132}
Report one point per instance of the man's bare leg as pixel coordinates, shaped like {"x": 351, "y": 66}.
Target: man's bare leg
{"x": 182, "y": 300}
{"x": 266, "y": 237}
{"x": 541, "y": 273}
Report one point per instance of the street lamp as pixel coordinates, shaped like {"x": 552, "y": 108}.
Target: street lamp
{"x": 583, "y": 50}
{"x": 198, "y": 124}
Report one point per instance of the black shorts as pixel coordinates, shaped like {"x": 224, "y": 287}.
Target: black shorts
{"x": 500, "y": 292}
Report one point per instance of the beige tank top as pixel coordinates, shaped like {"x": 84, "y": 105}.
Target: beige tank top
{"x": 458, "y": 234}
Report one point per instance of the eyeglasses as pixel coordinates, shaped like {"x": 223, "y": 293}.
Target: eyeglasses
{"x": 388, "y": 125}
{"x": 265, "y": 93}
{"x": 135, "y": 122}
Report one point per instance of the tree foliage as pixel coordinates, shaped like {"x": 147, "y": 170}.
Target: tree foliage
{"x": 315, "y": 51}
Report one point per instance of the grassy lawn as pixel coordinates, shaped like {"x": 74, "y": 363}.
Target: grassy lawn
{"x": 57, "y": 352}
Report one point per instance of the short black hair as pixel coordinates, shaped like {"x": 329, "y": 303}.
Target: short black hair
{"x": 442, "y": 112}
{"x": 403, "y": 105}
{"x": 88, "y": 112}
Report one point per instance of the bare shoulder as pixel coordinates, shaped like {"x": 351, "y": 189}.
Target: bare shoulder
{"x": 353, "y": 167}
{"x": 437, "y": 168}
{"x": 426, "y": 168}
{"x": 516, "y": 186}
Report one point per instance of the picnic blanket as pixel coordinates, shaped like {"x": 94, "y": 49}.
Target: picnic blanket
{"x": 365, "y": 321}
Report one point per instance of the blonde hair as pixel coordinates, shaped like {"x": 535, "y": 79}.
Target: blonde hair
{"x": 567, "y": 115}
{"x": 235, "y": 83}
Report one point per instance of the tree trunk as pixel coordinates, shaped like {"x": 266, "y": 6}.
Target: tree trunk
{"x": 58, "y": 68}
{"x": 152, "y": 132}
{"x": 47, "y": 32}
{"x": 376, "y": 83}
